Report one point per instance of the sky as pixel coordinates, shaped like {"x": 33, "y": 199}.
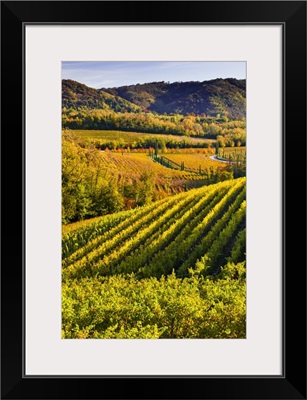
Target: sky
{"x": 109, "y": 74}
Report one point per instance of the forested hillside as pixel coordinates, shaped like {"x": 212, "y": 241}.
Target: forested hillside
{"x": 75, "y": 95}
{"x": 218, "y": 96}
{"x": 224, "y": 97}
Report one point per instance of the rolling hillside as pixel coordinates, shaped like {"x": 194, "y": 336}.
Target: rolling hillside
{"x": 171, "y": 269}
{"x": 170, "y": 234}
{"x": 218, "y": 96}
{"x": 76, "y": 95}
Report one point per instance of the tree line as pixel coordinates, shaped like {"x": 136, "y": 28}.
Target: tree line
{"x": 233, "y": 131}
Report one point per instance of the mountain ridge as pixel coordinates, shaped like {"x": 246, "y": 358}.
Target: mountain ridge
{"x": 225, "y": 97}
{"x": 76, "y": 95}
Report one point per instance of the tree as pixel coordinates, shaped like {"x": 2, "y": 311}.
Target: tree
{"x": 145, "y": 188}
{"x": 217, "y": 146}
{"x": 156, "y": 148}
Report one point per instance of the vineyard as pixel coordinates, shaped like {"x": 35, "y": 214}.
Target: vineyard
{"x": 197, "y": 162}
{"x": 134, "y": 164}
{"x": 153, "y": 204}
{"x": 154, "y": 240}
{"x": 122, "y": 139}
{"x": 128, "y": 168}
{"x": 125, "y": 274}
{"x": 233, "y": 151}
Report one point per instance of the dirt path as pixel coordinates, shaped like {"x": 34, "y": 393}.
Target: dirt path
{"x": 215, "y": 158}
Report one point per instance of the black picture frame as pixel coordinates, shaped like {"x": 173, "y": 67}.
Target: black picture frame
{"x": 292, "y": 16}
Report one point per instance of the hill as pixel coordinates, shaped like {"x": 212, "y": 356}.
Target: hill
{"x": 219, "y": 96}
{"x": 76, "y": 95}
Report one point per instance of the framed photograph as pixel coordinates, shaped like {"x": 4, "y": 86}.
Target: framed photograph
{"x": 157, "y": 156}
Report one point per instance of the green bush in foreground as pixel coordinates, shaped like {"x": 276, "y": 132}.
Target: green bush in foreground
{"x": 121, "y": 306}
